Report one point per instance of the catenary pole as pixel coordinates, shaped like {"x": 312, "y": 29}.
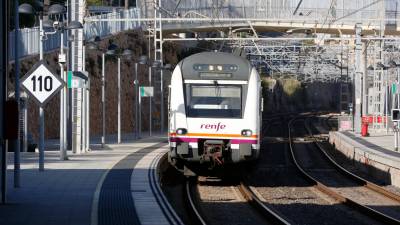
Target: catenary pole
{"x": 103, "y": 137}
{"x": 119, "y": 100}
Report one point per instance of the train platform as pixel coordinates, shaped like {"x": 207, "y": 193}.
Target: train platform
{"x": 105, "y": 186}
{"x": 375, "y": 152}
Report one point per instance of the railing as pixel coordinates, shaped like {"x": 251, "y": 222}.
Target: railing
{"x": 106, "y": 28}
{"x": 29, "y": 37}
{"x": 29, "y": 42}
{"x": 321, "y": 12}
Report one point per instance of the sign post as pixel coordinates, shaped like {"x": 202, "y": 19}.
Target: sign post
{"x": 396, "y": 120}
{"x": 42, "y": 84}
{"x": 144, "y": 92}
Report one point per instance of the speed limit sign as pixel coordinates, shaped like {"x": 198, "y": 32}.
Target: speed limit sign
{"x": 41, "y": 83}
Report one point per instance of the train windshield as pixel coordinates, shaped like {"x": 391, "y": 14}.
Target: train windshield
{"x": 214, "y": 101}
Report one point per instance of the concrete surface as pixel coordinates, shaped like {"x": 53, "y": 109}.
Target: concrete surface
{"x": 376, "y": 151}
{"x": 63, "y": 193}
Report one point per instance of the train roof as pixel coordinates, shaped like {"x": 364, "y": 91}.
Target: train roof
{"x": 234, "y": 67}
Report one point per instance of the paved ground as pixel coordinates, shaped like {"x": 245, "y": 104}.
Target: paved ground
{"x": 381, "y": 142}
{"x": 63, "y": 193}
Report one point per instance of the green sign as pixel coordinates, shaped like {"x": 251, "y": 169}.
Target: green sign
{"x": 146, "y": 91}
{"x": 395, "y": 88}
{"x": 77, "y": 79}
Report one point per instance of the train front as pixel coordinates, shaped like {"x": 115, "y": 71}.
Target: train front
{"x": 214, "y": 111}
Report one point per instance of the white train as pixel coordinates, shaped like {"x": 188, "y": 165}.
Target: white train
{"x": 215, "y": 109}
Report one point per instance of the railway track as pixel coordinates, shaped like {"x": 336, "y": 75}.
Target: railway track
{"x": 267, "y": 215}
{"x": 352, "y": 201}
{"x": 282, "y": 187}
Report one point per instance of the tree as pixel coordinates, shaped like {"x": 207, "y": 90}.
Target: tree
{"x": 94, "y": 2}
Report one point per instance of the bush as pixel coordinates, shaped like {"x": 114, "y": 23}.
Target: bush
{"x": 291, "y": 87}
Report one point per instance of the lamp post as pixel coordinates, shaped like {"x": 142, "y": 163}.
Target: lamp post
{"x": 138, "y": 122}
{"x": 143, "y": 60}
{"x": 112, "y": 50}
{"x": 91, "y": 45}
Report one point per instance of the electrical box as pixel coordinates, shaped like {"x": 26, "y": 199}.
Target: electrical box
{"x": 395, "y": 115}
{"x": 11, "y": 119}
{"x": 62, "y": 58}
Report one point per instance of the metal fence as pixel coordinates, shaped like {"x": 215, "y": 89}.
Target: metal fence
{"x": 319, "y": 12}
{"x": 29, "y": 42}
{"x": 29, "y": 37}
{"x": 105, "y": 28}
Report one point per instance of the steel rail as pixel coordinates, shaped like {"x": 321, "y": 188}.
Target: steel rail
{"x": 198, "y": 218}
{"x": 372, "y": 213}
{"x": 154, "y": 179}
{"x": 369, "y": 185}
{"x": 266, "y": 212}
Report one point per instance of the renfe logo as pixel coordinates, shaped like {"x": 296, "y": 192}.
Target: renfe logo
{"x": 215, "y": 127}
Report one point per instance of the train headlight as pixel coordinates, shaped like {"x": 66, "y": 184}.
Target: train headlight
{"x": 181, "y": 131}
{"x": 247, "y": 133}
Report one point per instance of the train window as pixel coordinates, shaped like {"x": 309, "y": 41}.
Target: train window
{"x": 214, "y": 101}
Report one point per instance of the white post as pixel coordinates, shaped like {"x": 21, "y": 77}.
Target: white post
{"x": 87, "y": 115}
{"x": 150, "y": 98}
{"x": 84, "y": 103}
{"x": 119, "y": 100}
{"x": 150, "y": 104}
{"x": 396, "y": 136}
{"x": 136, "y": 82}
{"x": 41, "y": 139}
{"x": 386, "y": 85}
{"x": 140, "y": 114}
{"x": 103, "y": 137}
{"x": 63, "y": 149}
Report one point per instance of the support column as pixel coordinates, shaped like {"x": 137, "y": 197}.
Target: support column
{"x": 4, "y": 19}
{"x": 365, "y": 84}
{"x": 77, "y": 14}
{"x": 358, "y": 79}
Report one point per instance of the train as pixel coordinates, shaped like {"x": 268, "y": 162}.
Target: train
{"x": 215, "y": 112}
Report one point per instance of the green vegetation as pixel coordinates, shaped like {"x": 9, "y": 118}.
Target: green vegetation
{"x": 267, "y": 82}
{"x": 94, "y": 2}
{"x": 291, "y": 87}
